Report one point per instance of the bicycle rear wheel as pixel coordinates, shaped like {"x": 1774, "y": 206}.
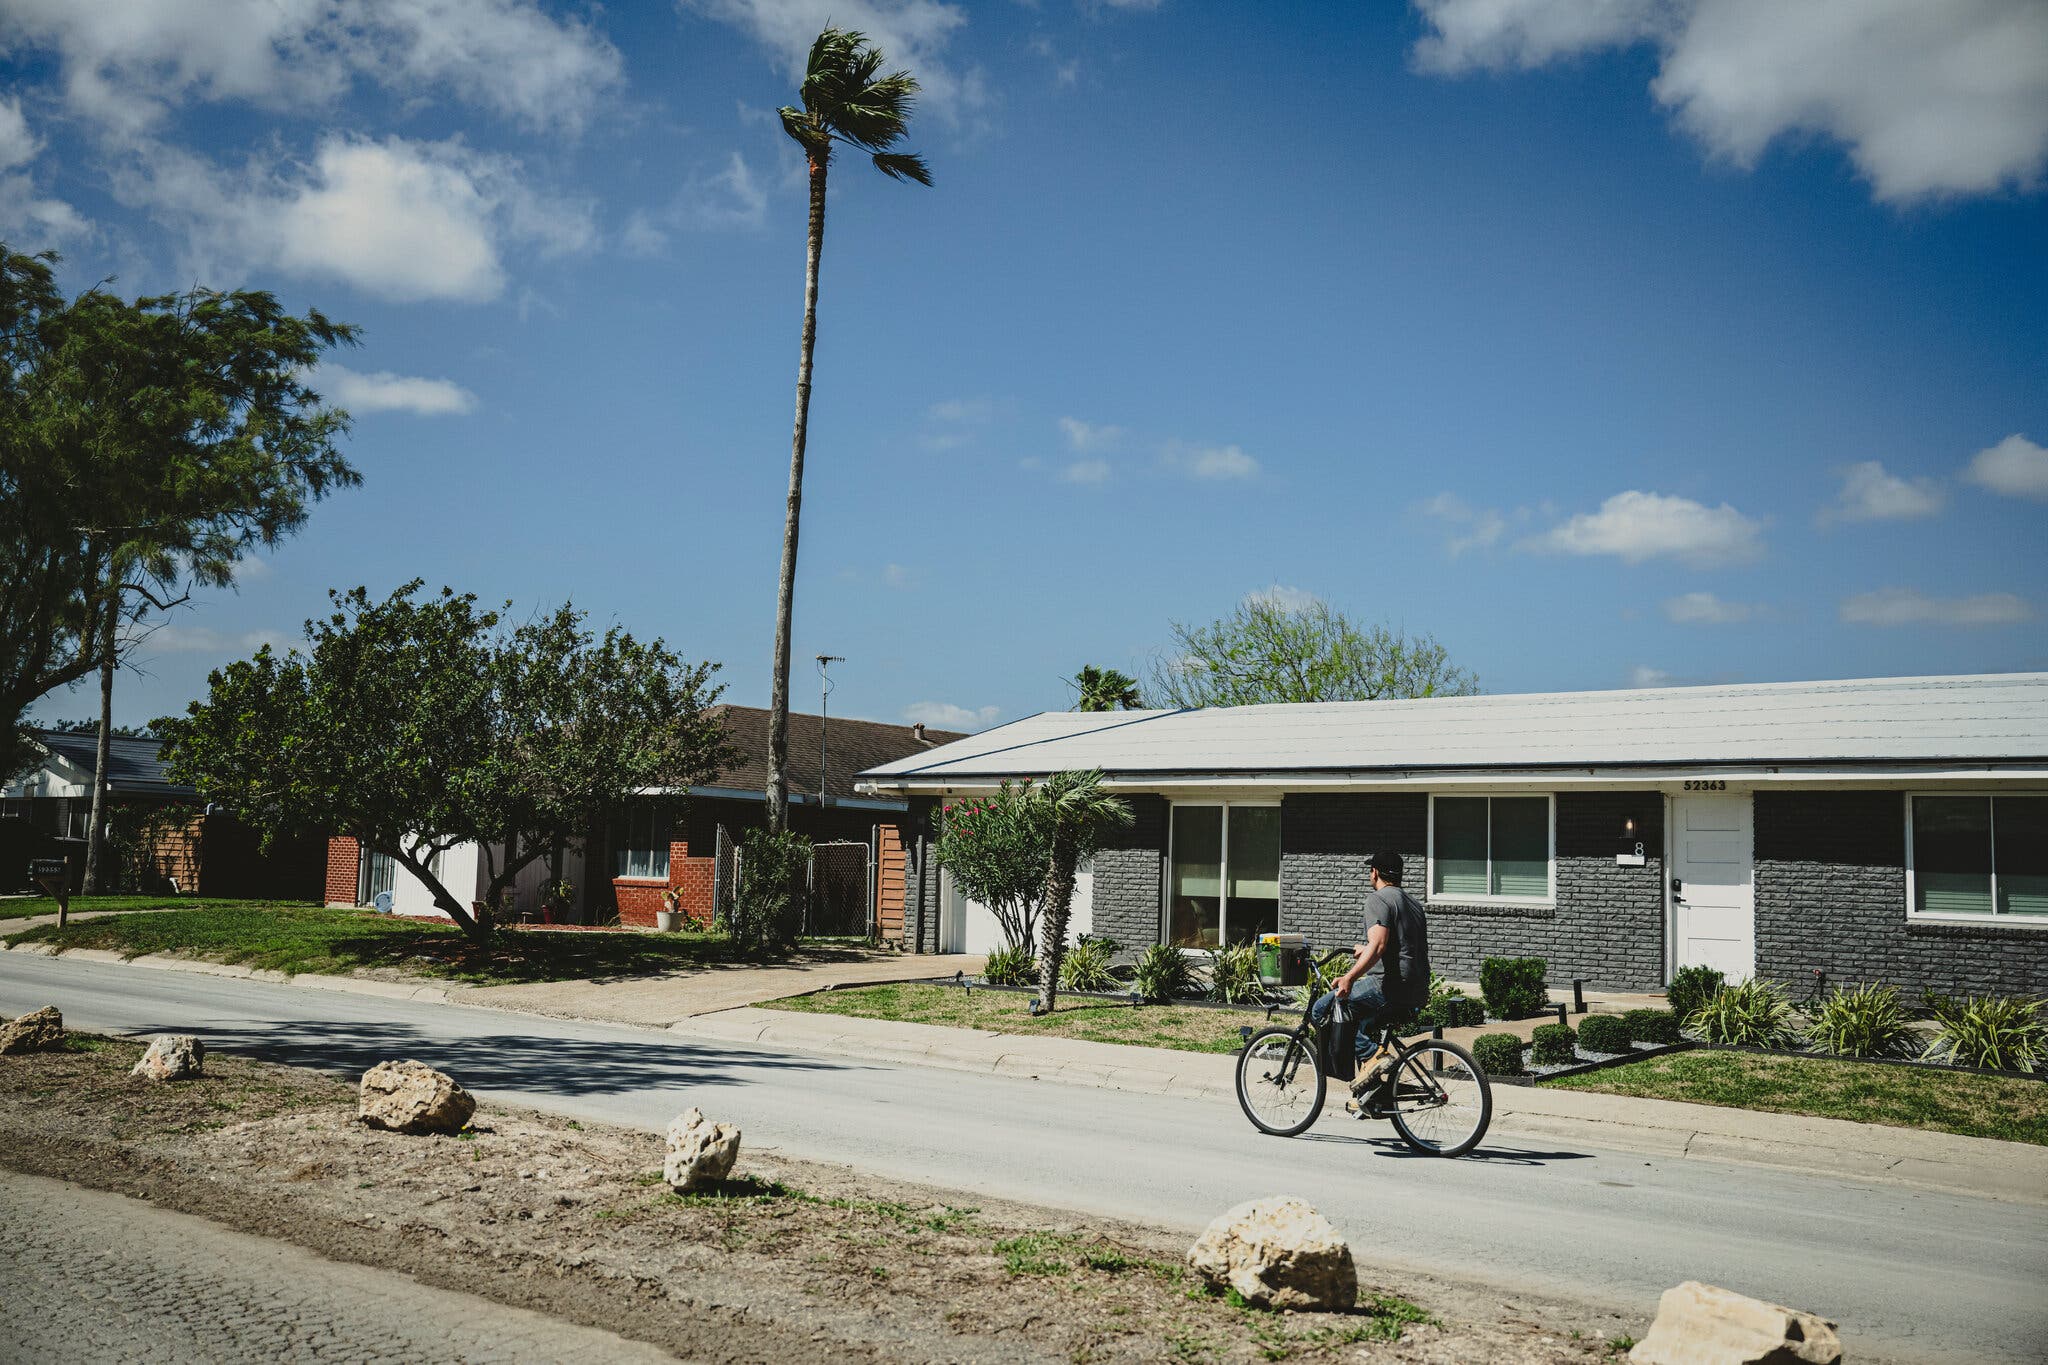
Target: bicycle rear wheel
{"x": 1279, "y": 1086}
{"x": 1441, "y": 1100}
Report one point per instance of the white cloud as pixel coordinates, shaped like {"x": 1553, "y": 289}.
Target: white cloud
{"x": 403, "y": 220}
{"x": 912, "y": 34}
{"x": 1642, "y": 675}
{"x": 1281, "y": 596}
{"x": 731, "y": 197}
{"x": 1090, "y": 436}
{"x": 1705, "y": 609}
{"x": 1210, "y": 462}
{"x": 1907, "y": 607}
{"x": 1467, "y": 527}
{"x": 383, "y": 391}
{"x": 1086, "y": 471}
{"x": 23, "y": 211}
{"x": 897, "y": 576}
{"x": 1869, "y": 493}
{"x": 184, "y": 639}
{"x": 1635, "y": 526}
{"x": 954, "y": 422}
{"x": 2015, "y": 467}
{"x": 944, "y": 715}
{"x": 124, "y": 63}
{"x": 1931, "y": 98}
{"x": 18, "y": 146}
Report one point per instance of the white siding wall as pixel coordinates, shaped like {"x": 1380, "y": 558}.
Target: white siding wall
{"x": 461, "y": 873}
{"x": 980, "y": 932}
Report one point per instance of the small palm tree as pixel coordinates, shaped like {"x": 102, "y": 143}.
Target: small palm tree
{"x": 1082, "y": 815}
{"x": 847, "y": 102}
{"x": 1105, "y": 689}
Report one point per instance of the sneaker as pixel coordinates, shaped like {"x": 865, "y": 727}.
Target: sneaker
{"x": 1371, "y": 1072}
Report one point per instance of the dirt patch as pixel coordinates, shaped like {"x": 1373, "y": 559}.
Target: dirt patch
{"x": 792, "y": 1261}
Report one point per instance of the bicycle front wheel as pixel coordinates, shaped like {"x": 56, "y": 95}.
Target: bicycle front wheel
{"x": 1279, "y": 1085}
{"x": 1441, "y": 1099}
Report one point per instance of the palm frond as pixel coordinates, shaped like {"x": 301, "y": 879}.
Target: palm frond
{"x": 800, "y": 128}
{"x": 903, "y": 166}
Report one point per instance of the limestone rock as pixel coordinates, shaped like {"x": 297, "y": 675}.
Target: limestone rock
{"x": 171, "y": 1057}
{"x": 700, "y": 1153}
{"x": 412, "y": 1097}
{"x": 1278, "y": 1253}
{"x": 38, "y": 1031}
{"x": 1698, "y": 1324}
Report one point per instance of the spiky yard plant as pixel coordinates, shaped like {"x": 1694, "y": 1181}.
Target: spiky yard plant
{"x": 847, "y": 102}
{"x": 1081, "y": 814}
{"x": 1753, "y": 1013}
{"x": 1997, "y": 1032}
{"x": 1861, "y": 1021}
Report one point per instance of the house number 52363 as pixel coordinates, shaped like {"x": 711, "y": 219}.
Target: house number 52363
{"x": 1707, "y": 785}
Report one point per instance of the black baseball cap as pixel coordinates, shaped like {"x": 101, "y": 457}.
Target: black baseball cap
{"x": 1388, "y": 865}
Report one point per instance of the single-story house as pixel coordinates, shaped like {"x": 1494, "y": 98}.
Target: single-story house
{"x": 1886, "y": 829}
{"x": 47, "y": 811}
{"x": 683, "y": 840}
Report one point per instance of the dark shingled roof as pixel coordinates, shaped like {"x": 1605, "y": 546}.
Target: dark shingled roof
{"x": 133, "y": 765}
{"x": 853, "y": 747}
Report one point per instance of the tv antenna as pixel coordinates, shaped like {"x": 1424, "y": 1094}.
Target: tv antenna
{"x": 824, "y": 714}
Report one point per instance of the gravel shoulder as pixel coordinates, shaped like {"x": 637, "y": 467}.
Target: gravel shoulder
{"x": 791, "y": 1260}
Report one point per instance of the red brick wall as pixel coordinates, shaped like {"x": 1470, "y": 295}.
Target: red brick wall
{"x": 640, "y": 897}
{"x": 344, "y": 864}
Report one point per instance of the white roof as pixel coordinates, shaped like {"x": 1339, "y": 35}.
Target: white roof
{"x": 1992, "y": 718}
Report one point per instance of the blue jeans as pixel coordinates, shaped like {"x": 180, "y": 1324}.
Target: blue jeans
{"x": 1367, "y": 1003}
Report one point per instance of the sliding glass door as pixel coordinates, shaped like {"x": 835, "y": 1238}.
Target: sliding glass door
{"x": 1223, "y": 881}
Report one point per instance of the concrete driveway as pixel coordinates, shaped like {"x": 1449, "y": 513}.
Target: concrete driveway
{"x": 662, "y": 1000}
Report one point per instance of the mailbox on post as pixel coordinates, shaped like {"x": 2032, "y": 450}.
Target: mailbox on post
{"x": 54, "y": 876}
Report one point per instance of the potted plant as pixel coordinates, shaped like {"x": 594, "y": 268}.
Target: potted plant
{"x": 669, "y": 918}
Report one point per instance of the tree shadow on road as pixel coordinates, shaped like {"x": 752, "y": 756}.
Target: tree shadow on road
{"x": 567, "y": 1066}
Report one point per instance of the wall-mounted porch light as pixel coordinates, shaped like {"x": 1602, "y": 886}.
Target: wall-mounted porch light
{"x": 1631, "y": 853}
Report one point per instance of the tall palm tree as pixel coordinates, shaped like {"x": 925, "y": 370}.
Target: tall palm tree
{"x": 847, "y": 102}
{"x": 1106, "y": 689}
{"x": 1083, "y": 814}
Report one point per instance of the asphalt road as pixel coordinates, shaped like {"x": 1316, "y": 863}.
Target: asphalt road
{"x": 1909, "y": 1274}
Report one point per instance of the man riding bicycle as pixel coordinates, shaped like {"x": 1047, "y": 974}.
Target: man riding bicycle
{"x": 1389, "y": 975}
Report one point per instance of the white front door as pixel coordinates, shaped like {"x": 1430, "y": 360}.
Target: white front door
{"x": 1713, "y": 897}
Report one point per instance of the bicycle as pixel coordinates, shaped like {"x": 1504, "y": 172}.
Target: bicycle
{"x": 1435, "y": 1094}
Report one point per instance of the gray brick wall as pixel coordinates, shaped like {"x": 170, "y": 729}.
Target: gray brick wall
{"x": 920, "y": 877}
{"x": 1831, "y": 895}
{"x": 1607, "y": 926}
{"x": 1128, "y": 878}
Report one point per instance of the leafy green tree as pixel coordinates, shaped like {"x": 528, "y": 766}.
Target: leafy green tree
{"x": 848, "y": 102}
{"x": 1080, "y": 814}
{"x": 1268, "y": 651}
{"x": 416, "y": 724}
{"x": 145, "y": 447}
{"x": 1106, "y": 689}
{"x": 998, "y": 849}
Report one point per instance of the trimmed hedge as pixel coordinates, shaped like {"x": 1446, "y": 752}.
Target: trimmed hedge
{"x": 1551, "y": 1045}
{"x": 1514, "y": 987}
{"x": 1499, "y": 1054}
{"x": 1451, "y": 1011}
{"x": 1690, "y": 988}
{"x": 1604, "y": 1033}
{"x": 1652, "y": 1026}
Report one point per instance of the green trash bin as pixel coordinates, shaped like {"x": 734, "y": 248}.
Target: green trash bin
{"x": 1283, "y": 959}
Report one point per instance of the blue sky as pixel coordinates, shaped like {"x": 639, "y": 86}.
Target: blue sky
{"x": 1655, "y": 340}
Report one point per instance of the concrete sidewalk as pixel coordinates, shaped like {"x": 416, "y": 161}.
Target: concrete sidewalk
{"x": 664, "y": 998}
{"x": 2011, "y": 1171}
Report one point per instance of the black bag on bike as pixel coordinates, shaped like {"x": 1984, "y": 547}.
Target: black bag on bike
{"x": 1340, "y": 1041}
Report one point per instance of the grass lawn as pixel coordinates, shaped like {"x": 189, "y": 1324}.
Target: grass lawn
{"x": 296, "y": 939}
{"x": 29, "y": 906}
{"x": 1188, "y": 1028}
{"x": 2010, "y": 1107}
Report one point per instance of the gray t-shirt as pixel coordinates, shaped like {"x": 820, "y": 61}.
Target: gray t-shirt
{"x": 1403, "y": 968}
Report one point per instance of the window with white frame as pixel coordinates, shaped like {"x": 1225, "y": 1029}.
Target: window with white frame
{"x": 1223, "y": 875}
{"x": 1973, "y": 856}
{"x": 640, "y": 838}
{"x": 1491, "y": 847}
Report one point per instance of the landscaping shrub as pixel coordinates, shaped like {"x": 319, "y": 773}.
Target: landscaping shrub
{"x": 1513, "y": 987}
{"x": 1604, "y": 1033}
{"x": 1333, "y": 965}
{"x": 768, "y": 913}
{"x": 1451, "y": 1011}
{"x": 1862, "y": 1021}
{"x": 1690, "y": 988}
{"x": 1754, "y": 1013}
{"x": 1164, "y": 974}
{"x": 1498, "y": 1054}
{"x": 1552, "y": 1045}
{"x": 1234, "y": 975}
{"x": 2002, "y": 1032}
{"x": 1010, "y": 967}
{"x": 1651, "y": 1026}
{"x": 1087, "y": 965}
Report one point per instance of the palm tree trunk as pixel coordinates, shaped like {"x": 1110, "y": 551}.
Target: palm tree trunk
{"x": 1059, "y": 906}
{"x": 778, "y": 696}
{"x": 96, "y": 833}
